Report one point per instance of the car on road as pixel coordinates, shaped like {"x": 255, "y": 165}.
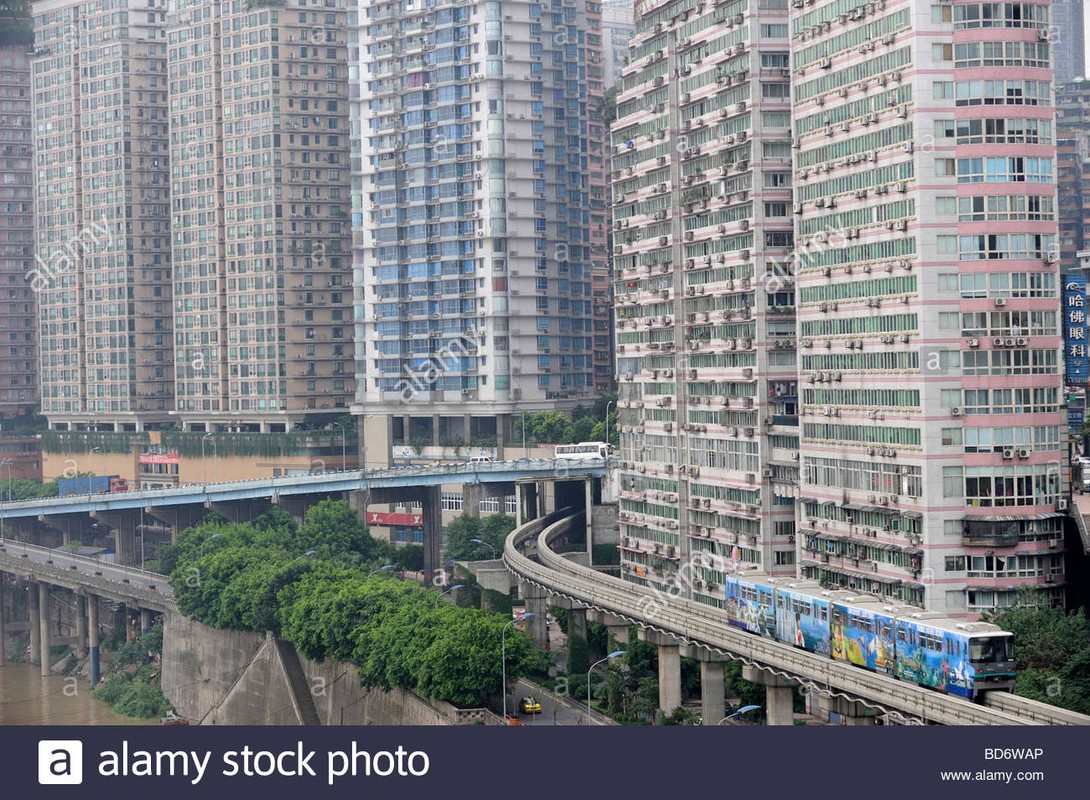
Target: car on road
{"x": 529, "y": 705}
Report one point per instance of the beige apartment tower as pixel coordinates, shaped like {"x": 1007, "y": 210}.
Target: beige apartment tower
{"x": 260, "y": 195}
{"x": 18, "y": 341}
{"x": 102, "y": 273}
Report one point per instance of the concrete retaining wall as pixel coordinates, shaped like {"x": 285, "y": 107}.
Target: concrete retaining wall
{"x": 218, "y": 677}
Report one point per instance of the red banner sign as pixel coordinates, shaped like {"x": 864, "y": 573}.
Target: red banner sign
{"x": 158, "y": 458}
{"x": 383, "y": 518}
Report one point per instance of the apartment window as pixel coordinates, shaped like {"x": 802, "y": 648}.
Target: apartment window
{"x": 944, "y": 128}
{"x": 942, "y": 90}
{"x": 952, "y": 482}
{"x": 776, "y": 150}
{"x": 946, "y": 206}
{"x": 942, "y": 52}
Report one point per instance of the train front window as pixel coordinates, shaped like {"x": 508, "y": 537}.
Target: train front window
{"x": 991, "y": 650}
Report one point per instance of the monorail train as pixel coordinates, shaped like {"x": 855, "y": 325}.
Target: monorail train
{"x": 926, "y": 648}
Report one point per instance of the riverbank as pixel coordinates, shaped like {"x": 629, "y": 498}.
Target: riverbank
{"x": 27, "y": 698}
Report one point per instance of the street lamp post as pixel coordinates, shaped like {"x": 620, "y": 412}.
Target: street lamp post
{"x": 206, "y": 541}
{"x": 614, "y": 654}
{"x": 742, "y": 710}
{"x": 486, "y": 544}
{"x": 344, "y": 448}
{"x": 380, "y": 569}
{"x": 451, "y": 589}
{"x": 503, "y": 657}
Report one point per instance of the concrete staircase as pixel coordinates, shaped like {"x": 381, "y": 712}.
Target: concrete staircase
{"x": 297, "y": 681}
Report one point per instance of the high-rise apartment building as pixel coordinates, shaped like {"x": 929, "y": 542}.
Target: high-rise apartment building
{"x": 1073, "y": 170}
{"x": 598, "y": 198}
{"x": 103, "y": 271}
{"x": 1068, "y": 34}
{"x": 18, "y": 301}
{"x": 472, "y": 245}
{"x": 617, "y": 29}
{"x": 932, "y": 438}
{"x": 706, "y": 335}
{"x": 259, "y": 141}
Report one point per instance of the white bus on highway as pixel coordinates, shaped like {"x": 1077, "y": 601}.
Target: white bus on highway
{"x": 583, "y": 451}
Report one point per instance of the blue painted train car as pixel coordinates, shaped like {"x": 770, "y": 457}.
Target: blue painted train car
{"x": 802, "y": 614}
{"x": 960, "y": 658}
{"x": 925, "y": 648}
{"x": 749, "y": 605}
{"x": 862, "y": 632}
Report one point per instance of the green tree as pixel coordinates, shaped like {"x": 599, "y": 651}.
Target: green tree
{"x": 750, "y": 694}
{"x": 410, "y": 557}
{"x": 583, "y": 429}
{"x": 332, "y": 528}
{"x": 680, "y": 716}
{"x": 276, "y": 519}
{"x": 23, "y": 489}
{"x": 546, "y": 427}
{"x": 1052, "y": 651}
{"x": 458, "y": 533}
{"x": 495, "y": 528}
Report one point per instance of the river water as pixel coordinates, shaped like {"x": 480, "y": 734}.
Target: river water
{"x": 26, "y": 698}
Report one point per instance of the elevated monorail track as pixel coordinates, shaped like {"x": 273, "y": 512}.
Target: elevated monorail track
{"x": 529, "y": 556}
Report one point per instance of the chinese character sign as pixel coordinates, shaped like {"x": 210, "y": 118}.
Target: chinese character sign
{"x": 1078, "y": 369}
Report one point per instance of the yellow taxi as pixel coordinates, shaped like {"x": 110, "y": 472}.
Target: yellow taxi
{"x": 529, "y": 705}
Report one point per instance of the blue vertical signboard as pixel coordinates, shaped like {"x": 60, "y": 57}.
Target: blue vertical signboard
{"x": 1077, "y": 368}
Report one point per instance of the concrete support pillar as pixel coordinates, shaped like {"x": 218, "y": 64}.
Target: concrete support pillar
{"x": 35, "y": 624}
{"x": 43, "y": 619}
{"x": 432, "y": 508}
{"x": 542, "y": 509}
{"x": 471, "y": 499}
{"x": 530, "y": 493}
{"x": 588, "y": 507}
{"x": 713, "y": 696}
{"x": 669, "y": 677}
{"x": 779, "y": 695}
{"x": 846, "y": 712}
{"x": 126, "y": 545}
{"x": 92, "y": 637}
{"x": 518, "y": 505}
{"x": 503, "y": 422}
{"x": 435, "y": 430}
{"x": 81, "y": 625}
{"x": 3, "y": 622}
{"x": 669, "y": 668}
{"x": 579, "y": 623}
{"x": 130, "y": 625}
{"x": 537, "y": 625}
{"x": 145, "y": 620}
